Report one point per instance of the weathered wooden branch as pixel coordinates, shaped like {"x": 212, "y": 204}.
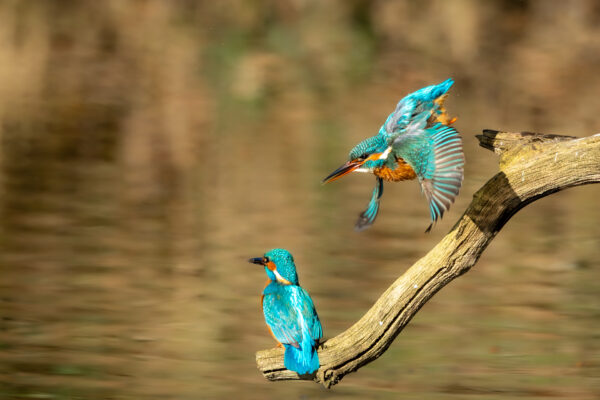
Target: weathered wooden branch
{"x": 531, "y": 166}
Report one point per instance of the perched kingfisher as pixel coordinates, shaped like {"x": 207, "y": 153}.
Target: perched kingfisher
{"x": 290, "y": 312}
{"x": 416, "y": 141}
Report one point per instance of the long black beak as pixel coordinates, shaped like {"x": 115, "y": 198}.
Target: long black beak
{"x": 257, "y": 260}
{"x": 343, "y": 170}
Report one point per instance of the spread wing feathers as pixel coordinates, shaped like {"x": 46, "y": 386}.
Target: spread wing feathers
{"x": 291, "y": 315}
{"x": 437, "y": 157}
{"x": 420, "y": 102}
{"x": 367, "y": 217}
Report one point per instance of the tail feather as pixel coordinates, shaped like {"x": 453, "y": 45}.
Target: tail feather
{"x": 367, "y": 217}
{"x": 303, "y": 360}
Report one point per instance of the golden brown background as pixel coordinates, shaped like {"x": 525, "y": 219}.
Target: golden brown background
{"x": 148, "y": 148}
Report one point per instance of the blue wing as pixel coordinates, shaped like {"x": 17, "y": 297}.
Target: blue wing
{"x": 291, "y": 315}
{"x": 368, "y": 216}
{"x": 437, "y": 158}
{"x": 426, "y": 102}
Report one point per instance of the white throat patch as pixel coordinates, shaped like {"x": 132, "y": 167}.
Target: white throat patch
{"x": 386, "y": 153}
{"x": 281, "y": 279}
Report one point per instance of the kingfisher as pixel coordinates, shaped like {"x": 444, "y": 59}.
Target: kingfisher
{"x": 416, "y": 141}
{"x": 289, "y": 312}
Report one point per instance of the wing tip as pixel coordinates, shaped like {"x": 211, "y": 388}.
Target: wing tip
{"x": 440, "y": 199}
{"x": 428, "y": 230}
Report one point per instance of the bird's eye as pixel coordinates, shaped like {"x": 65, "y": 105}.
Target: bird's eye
{"x": 266, "y": 260}
{"x": 363, "y": 157}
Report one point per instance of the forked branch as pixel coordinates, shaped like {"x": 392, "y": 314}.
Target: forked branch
{"x": 531, "y": 166}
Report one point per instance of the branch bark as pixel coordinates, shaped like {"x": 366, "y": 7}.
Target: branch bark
{"x": 531, "y": 166}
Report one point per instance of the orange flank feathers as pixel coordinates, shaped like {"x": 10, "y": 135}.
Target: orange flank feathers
{"x": 279, "y": 344}
{"x": 402, "y": 172}
{"x": 270, "y": 330}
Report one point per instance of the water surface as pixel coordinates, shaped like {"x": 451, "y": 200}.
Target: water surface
{"x": 148, "y": 149}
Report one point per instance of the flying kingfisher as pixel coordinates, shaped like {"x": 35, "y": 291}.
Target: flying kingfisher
{"x": 416, "y": 141}
{"x": 290, "y": 312}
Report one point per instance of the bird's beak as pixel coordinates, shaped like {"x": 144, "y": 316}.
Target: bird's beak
{"x": 257, "y": 260}
{"x": 343, "y": 170}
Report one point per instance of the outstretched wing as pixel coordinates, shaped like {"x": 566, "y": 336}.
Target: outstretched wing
{"x": 424, "y": 102}
{"x": 289, "y": 312}
{"x": 436, "y": 155}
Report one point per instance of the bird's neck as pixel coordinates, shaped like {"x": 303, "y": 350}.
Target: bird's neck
{"x": 274, "y": 286}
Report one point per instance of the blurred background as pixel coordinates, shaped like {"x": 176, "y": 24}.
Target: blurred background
{"x": 149, "y": 148}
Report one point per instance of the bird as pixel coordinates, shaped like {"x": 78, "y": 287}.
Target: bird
{"x": 289, "y": 312}
{"x": 416, "y": 141}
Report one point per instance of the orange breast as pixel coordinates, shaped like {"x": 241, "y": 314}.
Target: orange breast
{"x": 401, "y": 173}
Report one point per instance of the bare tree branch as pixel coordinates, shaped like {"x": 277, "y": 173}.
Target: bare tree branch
{"x": 531, "y": 166}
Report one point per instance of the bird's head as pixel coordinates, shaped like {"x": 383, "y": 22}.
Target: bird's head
{"x": 369, "y": 154}
{"x": 279, "y": 266}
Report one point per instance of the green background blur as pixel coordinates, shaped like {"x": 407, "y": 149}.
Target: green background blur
{"x": 149, "y": 148}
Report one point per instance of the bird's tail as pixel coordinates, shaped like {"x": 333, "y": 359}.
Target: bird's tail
{"x": 303, "y": 359}
{"x": 367, "y": 217}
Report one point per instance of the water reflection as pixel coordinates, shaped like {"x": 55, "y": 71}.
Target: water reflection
{"x": 148, "y": 149}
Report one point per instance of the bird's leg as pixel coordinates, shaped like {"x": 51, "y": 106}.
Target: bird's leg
{"x": 368, "y": 216}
